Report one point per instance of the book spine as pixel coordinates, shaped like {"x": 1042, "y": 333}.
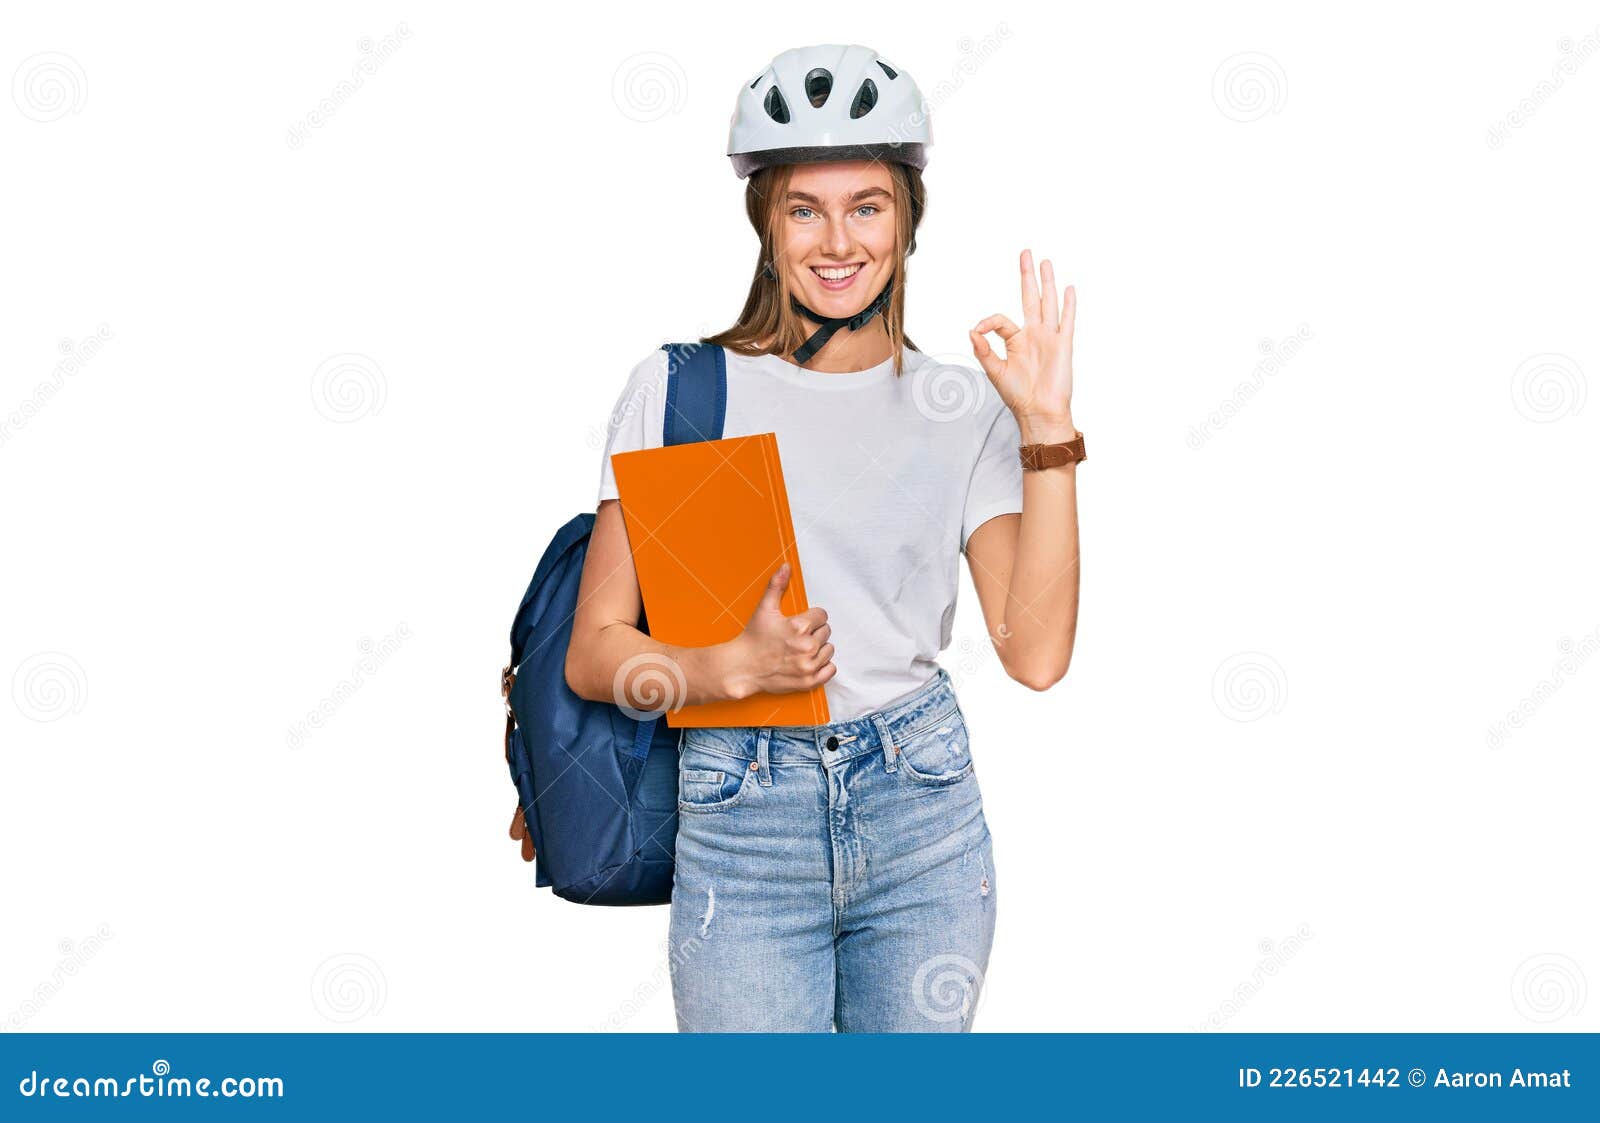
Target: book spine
{"x": 791, "y": 554}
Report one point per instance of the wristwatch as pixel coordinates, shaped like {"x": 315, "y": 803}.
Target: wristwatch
{"x": 1038, "y": 457}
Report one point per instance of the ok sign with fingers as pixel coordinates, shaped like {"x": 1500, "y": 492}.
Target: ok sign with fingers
{"x": 1034, "y": 376}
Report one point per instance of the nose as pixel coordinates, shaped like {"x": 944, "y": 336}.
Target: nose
{"x": 837, "y": 242}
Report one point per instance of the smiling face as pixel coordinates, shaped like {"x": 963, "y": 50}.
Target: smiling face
{"x": 836, "y": 231}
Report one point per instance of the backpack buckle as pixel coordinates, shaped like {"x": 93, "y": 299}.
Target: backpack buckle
{"x": 508, "y": 679}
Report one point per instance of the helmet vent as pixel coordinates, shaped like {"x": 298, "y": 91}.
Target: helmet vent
{"x": 757, "y": 80}
{"x": 866, "y": 98}
{"x": 776, "y": 107}
{"x": 887, "y": 69}
{"x": 819, "y": 84}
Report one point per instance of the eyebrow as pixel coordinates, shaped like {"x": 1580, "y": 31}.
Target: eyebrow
{"x": 864, "y": 193}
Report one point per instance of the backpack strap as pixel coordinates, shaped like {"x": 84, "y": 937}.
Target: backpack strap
{"x": 697, "y": 404}
{"x": 697, "y": 393}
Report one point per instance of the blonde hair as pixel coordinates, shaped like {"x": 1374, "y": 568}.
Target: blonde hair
{"x": 768, "y": 325}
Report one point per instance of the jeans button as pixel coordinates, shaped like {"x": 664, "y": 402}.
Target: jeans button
{"x": 833, "y": 742}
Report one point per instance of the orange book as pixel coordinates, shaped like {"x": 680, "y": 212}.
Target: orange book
{"x": 708, "y": 525}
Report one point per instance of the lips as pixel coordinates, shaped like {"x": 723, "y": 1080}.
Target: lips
{"x": 835, "y": 278}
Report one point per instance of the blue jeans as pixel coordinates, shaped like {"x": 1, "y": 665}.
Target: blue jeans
{"x": 834, "y": 876}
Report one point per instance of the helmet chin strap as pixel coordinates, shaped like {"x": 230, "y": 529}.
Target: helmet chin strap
{"x": 833, "y": 324}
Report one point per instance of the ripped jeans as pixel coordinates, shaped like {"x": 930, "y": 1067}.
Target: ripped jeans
{"x": 833, "y": 877}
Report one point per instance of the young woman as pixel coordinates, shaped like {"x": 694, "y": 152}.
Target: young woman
{"x": 843, "y": 876}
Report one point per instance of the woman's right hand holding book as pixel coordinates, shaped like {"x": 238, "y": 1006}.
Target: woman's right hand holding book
{"x": 779, "y": 654}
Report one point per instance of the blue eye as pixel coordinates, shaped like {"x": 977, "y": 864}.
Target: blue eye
{"x": 796, "y": 212}
{"x": 873, "y": 207}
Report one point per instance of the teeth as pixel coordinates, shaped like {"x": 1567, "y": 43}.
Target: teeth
{"x": 836, "y": 274}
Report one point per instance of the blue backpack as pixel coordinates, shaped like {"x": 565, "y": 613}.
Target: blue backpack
{"x": 597, "y": 790}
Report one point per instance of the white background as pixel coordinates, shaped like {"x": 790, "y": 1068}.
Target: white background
{"x": 1266, "y": 796}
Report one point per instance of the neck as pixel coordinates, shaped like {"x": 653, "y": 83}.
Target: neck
{"x": 848, "y": 351}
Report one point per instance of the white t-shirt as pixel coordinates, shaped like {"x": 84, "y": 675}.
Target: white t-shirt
{"x": 887, "y": 478}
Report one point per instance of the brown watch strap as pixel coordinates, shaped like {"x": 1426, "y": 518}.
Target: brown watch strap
{"x": 1037, "y": 457}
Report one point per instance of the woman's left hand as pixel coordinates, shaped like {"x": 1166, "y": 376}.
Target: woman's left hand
{"x": 1034, "y": 378}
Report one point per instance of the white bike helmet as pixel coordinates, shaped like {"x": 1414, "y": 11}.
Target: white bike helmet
{"x": 828, "y": 102}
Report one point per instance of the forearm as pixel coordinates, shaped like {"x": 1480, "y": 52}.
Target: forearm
{"x": 618, "y": 663}
{"x": 1041, "y": 617}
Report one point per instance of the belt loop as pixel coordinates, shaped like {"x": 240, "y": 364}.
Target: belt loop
{"x": 763, "y": 765}
{"x": 887, "y": 742}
